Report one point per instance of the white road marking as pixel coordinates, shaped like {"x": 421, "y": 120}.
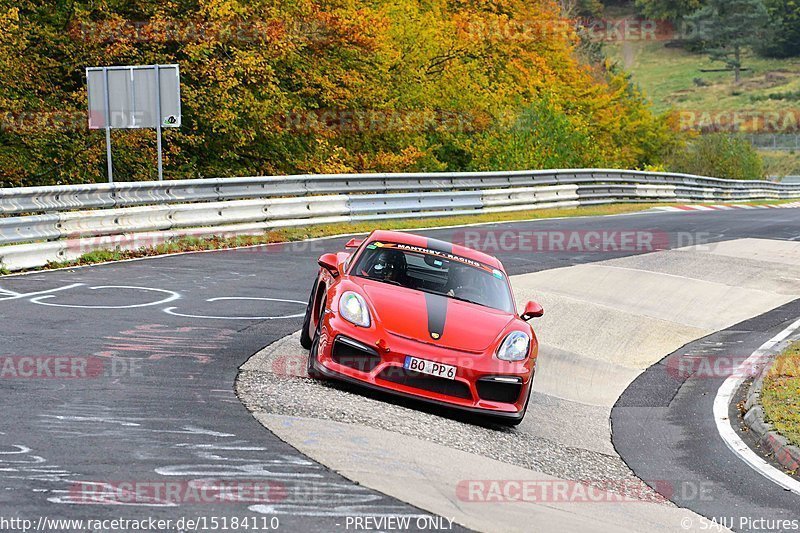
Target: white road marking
{"x": 18, "y": 296}
{"x": 100, "y": 419}
{"x": 39, "y": 298}
{"x": 725, "y": 428}
{"x": 19, "y": 450}
{"x": 171, "y": 310}
{"x": 223, "y": 471}
{"x": 356, "y": 508}
{"x": 193, "y": 430}
{"x": 172, "y": 296}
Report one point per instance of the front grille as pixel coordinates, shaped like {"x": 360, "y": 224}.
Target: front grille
{"x": 355, "y": 355}
{"x": 398, "y": 374}
{"x": 498, "y": 391}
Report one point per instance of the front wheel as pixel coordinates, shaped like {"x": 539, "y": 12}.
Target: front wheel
{"x": 311, "y": 367}
{"x": 305, "y": 333}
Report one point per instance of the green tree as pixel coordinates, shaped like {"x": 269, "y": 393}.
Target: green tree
{"x": 673, "y": 10}
{"x": 730, "y": 27}
{"x": 316, "y": 86}
{"x": 783, "y": 40}
{"x": 542, "y": 136}
{"x": 721, "y": 156}
{"x": 581, "y": 8}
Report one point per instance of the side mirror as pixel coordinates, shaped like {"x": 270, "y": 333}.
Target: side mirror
{"x": 330, "y": 263}
{"x": 532, "y": 310}
{"x": 354, "y": 243}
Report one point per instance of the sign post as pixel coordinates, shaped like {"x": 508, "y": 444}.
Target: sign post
{"x": 108, "y": 127}
{"x": 158, "y": 123}
{"x": 132, "y": 97}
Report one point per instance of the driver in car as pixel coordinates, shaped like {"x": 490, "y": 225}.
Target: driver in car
{"x": 389, "y": 265}
{"x": 462, "y": 280}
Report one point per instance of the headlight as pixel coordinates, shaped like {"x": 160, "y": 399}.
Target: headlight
{"x": 514, "y": 347}
{"x": 353, "y": 308}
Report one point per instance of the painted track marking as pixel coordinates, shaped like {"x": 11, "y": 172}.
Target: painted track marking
{"x": 725, "y": 427}
{"x": 172, "y": 296}
{"x": 171, "y": 310}
{"x": 39, "y": 298}
{"x": 19, "y": 296}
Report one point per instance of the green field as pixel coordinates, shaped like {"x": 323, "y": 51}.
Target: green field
{"x": 672, "y": 79}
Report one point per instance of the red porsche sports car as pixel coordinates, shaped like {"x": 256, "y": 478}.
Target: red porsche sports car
{"x": 422, "y": 318}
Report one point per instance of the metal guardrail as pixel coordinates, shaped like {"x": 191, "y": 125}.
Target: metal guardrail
{"x": 63, "y": 222}
{"x": 94, "y": 196}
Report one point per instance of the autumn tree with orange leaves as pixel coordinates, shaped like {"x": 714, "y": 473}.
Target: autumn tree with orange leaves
{"x": 272, "y": 87}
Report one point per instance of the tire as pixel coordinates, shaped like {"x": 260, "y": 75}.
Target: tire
{"x": 305, "y": 335}
{"x": 311, "y": 367}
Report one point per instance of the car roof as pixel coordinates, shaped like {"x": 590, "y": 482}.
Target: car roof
{"x": 401, "y": 237}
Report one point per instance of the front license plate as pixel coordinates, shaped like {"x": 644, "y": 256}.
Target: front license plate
{"x": 429, "y": 367}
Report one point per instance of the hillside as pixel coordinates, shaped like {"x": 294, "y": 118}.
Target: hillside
{"x": 766, "y": 102}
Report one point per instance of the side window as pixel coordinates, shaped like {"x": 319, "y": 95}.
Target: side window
{"x": 355, "y": 253}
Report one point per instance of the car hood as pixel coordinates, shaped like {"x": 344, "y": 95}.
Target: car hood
{"x": 435, "y": 319}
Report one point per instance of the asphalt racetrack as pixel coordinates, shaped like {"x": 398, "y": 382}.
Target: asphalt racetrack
{"x": 164, "y": 338}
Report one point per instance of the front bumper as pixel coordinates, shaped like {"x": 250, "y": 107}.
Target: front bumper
{"x": 483, "y": 385}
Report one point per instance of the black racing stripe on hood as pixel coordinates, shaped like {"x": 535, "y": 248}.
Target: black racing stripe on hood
{"x": 437, "y": 314}
{"x": 440, "y": 246}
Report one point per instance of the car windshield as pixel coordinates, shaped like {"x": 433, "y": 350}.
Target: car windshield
{"x": 435, "y": 272}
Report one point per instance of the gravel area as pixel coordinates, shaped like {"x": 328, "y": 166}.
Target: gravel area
{"x": 267, "y": 383}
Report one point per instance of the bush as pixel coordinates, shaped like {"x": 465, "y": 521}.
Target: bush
{"x": 788, "y": 95}
{"x": 720, "y": 156}
{"x": 540, "y": 137}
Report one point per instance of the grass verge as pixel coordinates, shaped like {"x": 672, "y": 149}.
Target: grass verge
{"x": 780, "y": 395}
